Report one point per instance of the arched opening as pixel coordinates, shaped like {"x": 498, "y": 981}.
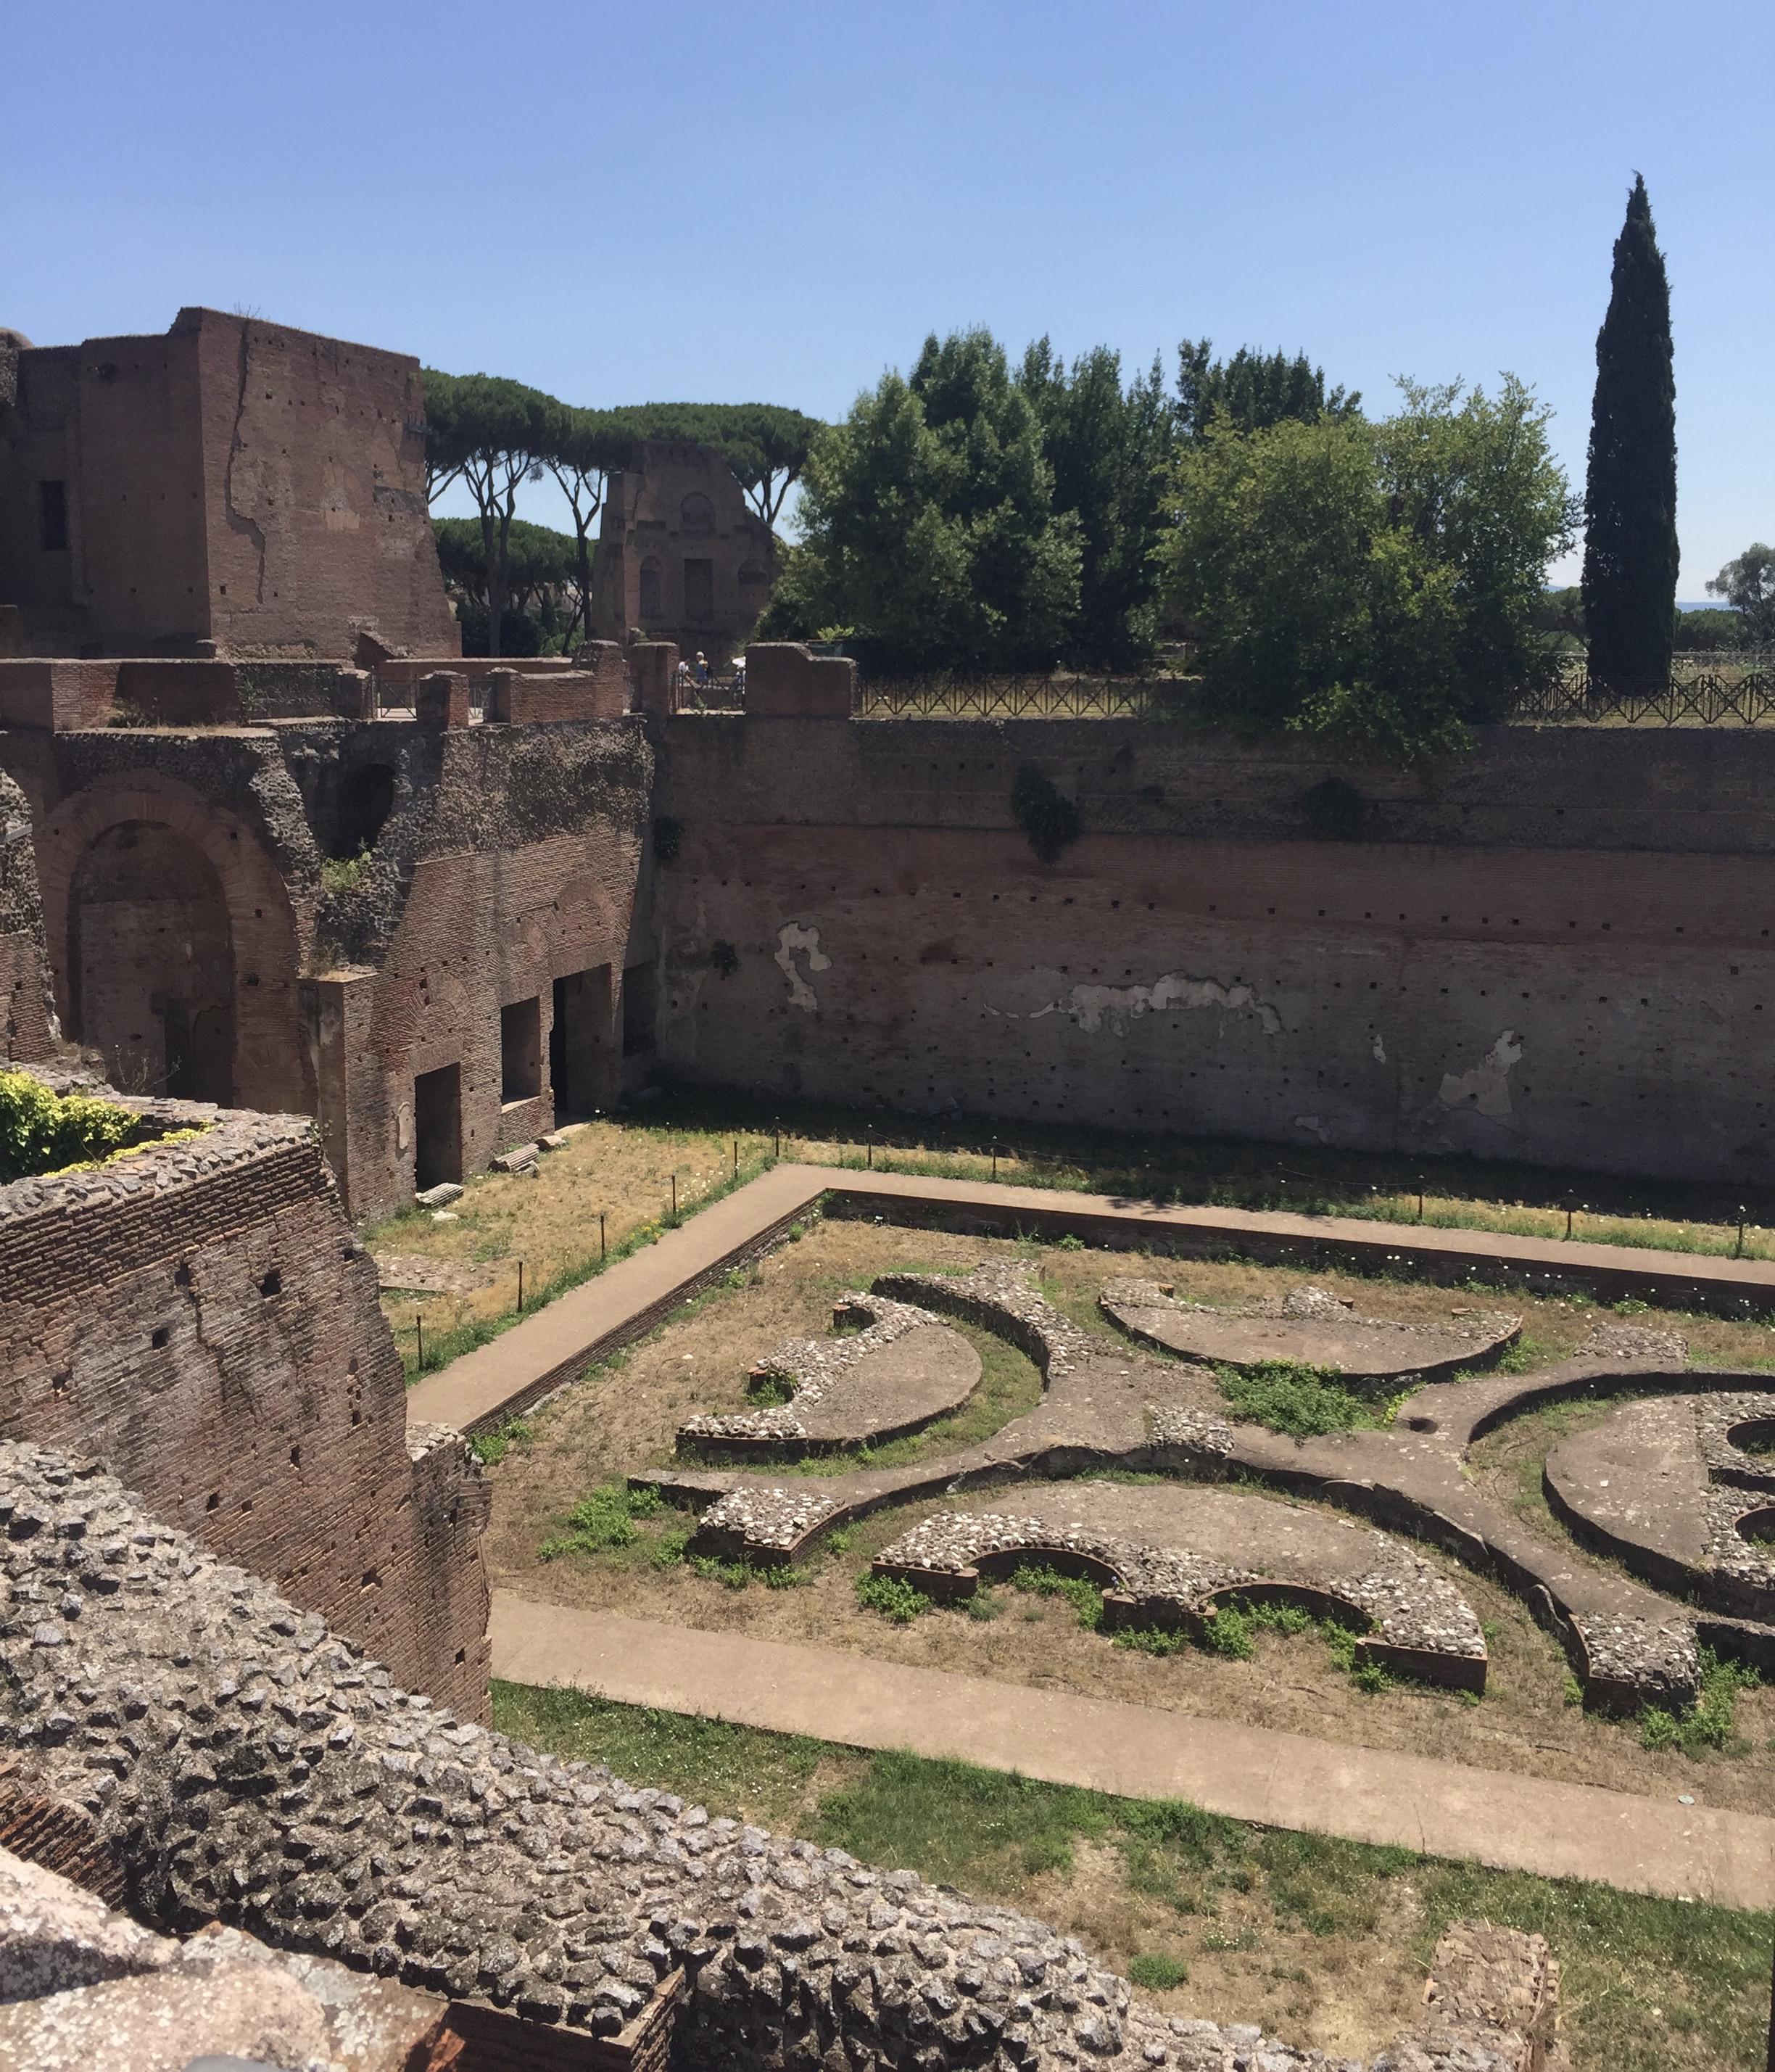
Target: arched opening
{"x": 366, "y": 799}
{"x": 150, "y": 963}
{"x": 754, "y": 575}
{"x": 652, "y": 603}
{"x": 697, "y": 516}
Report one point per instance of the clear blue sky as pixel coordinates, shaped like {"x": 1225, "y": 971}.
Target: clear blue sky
{"x": 777, "y": 200}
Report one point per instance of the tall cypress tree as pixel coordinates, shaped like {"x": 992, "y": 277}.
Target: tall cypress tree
{"x": 1629, "y": 548}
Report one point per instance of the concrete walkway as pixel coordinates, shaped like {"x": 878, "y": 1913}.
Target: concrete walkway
{"x": 555, "y": 1345}
{"x": 1508, "y": 1821}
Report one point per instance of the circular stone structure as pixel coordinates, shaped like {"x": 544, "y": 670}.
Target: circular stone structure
{"x": 1170, "y": 1555}
{"x": 1309, "y": 1325}
{"x": 902, "y": 1369}
{"x": 1671, "y": 1488}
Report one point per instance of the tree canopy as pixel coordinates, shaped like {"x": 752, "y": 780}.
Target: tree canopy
{"x": 1748, "y": 585}
{"x": 1630, "y": 545}
{"x": 1108, "y": 446}
{"x": 1380, "y": 583}
{"x": 489, "y": 434}
{"x": 1252, "y": 391}
{"x": 494, "y": 435}
{"x": 927, "y": 518}
{"x": 765, "y": 445}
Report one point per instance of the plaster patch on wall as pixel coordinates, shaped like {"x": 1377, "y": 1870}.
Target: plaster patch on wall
{"x": 1313, "y": 1126}
{"x": 1090, "y": 1006}
{"x": 1378, "y": 1048}
{"x": 791, "y": 937}
{"x": 1486, "y": 1086}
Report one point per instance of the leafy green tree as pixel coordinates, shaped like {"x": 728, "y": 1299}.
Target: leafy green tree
{"x": 1707, "y": 632}
{"x": 928, "y": 521}
{"x": 1380, "y": 583}
{"x": 1630, "y": 545}
{"x": 1109, "y": 448}
{"x": 489, "y": 434}
{"x": 1748, "y": 585}
{"x": 1252, "y": 391}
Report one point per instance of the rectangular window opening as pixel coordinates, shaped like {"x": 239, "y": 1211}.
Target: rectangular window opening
{"x": 52, "y": 517}
{"x": 520, "y": 1051}
{"x": 438, "y": 1127}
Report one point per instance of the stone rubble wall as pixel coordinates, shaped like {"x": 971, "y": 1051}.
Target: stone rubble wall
{"x": 245, "y": 1764}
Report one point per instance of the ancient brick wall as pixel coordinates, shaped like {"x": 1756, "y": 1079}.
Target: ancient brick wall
{"x": 29, "y": 1032}
{"x": 198, "y": 1316}
{"x": 114, "y": 422}
{"x": 1557, "y": 949}
{"x": 315, "y": 515}
{"x": 228, "y": 481}
{"x": 512, "y": 863}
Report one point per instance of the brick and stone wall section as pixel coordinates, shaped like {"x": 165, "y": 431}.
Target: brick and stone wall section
{"x": 199, "y": 1316}
{"x": 1558, "y": 948}
{"x": 28, "y": 1028}
{"x": 243, "y": 1764}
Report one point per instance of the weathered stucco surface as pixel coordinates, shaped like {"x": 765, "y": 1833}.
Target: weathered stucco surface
{"x": 1556, "y": 949}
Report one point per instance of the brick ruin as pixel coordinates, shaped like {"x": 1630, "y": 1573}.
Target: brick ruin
{"x": 681, "y": 556}
{"x": 374, "y": 925}
{"x": 200, "y": 1316}
{"x": 232, "y": 486}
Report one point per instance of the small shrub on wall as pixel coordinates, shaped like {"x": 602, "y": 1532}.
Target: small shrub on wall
{"x": 1049, "y": 818}
{"x": 43, "y": 1131}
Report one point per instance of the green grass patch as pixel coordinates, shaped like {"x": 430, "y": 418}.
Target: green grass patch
{"x": 602, "y": 1521}
{"x": 1710, "y": 1722}
{"x": 491, "y": 1448}
{"x": 1156, "y": 1972}
{"x": 1703, "y": 1968}
{"x": 897, "y": 1601}
{"x": 1085, "y": 1596}
{"x": 1305, "y": 1402}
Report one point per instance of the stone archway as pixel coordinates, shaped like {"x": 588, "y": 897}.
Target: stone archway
{"x": 150, "y": 963}
{"x": 188, "y": 888}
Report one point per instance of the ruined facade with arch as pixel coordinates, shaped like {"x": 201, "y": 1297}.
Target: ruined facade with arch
{"x": 681, "y": 555}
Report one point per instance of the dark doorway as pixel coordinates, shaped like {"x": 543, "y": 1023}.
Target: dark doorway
{"x": 579, "y": 1042}
{"x": 438, "y": 1127}
{"x": 699, "y": 591}
{"x": 639, "y": 998}
{"x": 520, "y": 1051}
{"x": 365, "y": 800}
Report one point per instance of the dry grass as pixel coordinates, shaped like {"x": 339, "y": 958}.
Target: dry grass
{"x": 625, "y": 1169}
{"x": 626, "y": 1417}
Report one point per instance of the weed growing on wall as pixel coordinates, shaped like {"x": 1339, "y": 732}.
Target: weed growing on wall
{"x": 1049, "y": 820}
{"x": 43, "y": 1132}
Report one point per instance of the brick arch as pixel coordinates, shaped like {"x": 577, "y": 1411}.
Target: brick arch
{"x": 272, "y": 1067}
